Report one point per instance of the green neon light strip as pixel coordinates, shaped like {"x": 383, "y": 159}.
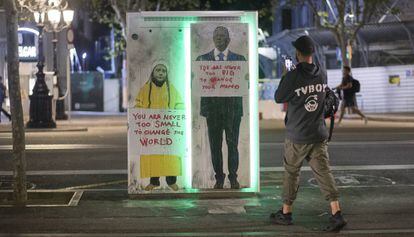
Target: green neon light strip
{"x": 251, "y": 19}
{"x": 178, "y": 62}
{"x": 187, "y": 61}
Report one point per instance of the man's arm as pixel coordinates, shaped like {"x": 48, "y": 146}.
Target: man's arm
{"x": 344, "y": 87}
{"x": 285, "y": 89}
{"x": 347, "y": 86}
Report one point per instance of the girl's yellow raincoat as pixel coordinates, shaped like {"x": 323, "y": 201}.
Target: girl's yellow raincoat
{"x": 153, "y": 97}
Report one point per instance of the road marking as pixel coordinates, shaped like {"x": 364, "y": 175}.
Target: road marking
{"x": 74, "y": 201}
{"x": 346, "y": 167}
{"x": 262, "y": 169}
{"x": 233, "y": 209}
{"x": 370, "y": 232}
{"x": 346, "y": 133}
{"x": 64, "y": 146}
{"x": 227, "y": 206}
{"x": 353, "y": 143}
{"x": 95, "y": 185}
{"x": 374, "y": 186}
{"x": 69, "y": 172}
{"x": 199, "y": 234}
{"x": 125, "y": 190}
{"x": 110, "y": 146}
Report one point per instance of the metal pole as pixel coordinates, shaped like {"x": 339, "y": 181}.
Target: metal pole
{"x": 40, "y": 86}
{"x": 60, "y": 104}
{"x": 40, "y": 101}
{"x": 68, "y": 86}
{"x": 54, "y": 41}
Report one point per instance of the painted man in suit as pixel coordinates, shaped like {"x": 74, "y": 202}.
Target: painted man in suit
{"x": 223, "y": 114}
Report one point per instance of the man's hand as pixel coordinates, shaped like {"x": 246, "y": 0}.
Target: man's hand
{"x": 284, "y": 69}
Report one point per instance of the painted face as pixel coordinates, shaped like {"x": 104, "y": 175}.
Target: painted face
{"x": 160, "y": 73}
{"x": 221, "y": 38}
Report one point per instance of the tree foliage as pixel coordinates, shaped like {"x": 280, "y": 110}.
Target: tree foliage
{"x": 113, "y": 12}
{"x": 265, "y": 9}
{"x": 344, "y": 18}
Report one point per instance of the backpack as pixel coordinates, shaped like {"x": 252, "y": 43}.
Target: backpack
{"x": 356, "y": 86}
{"x": 330, "y": 108}
{"x": 2, "y": 93}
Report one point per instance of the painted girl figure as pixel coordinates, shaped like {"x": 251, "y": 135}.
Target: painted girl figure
{"x": 159, "y": 93}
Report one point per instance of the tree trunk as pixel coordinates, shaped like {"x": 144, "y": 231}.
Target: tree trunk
{"x": 19, "y": 155}
{"x": 341, "y": 41}
{"x": 120, "y": 15}
{"x": 342, "y": 45}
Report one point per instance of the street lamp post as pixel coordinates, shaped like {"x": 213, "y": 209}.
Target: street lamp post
{"x": 56, "y": 26}
{"x": 40, "y": 100}
{"x": 59, "y": 113}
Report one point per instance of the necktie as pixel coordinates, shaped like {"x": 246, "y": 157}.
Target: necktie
{"x": 221, "y": 56}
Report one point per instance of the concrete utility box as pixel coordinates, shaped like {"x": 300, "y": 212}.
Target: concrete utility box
{"x": 192, "y": 102}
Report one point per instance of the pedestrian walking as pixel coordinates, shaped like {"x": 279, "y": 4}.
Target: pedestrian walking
{"x": 2, "y": 98}
{"x": 349, "y": 87}
{"x": 304, "y": 89}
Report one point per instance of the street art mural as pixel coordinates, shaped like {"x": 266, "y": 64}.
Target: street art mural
{"x": 220, "y": 105}
{"x": 189, "y": 103}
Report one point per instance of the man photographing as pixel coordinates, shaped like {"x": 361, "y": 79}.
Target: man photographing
{"x": 303, "y": 88}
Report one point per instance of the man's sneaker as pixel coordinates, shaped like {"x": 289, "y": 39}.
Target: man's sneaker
{"x": 218, "y": 185}
{"x": 280, "y": 218}
{"x": 234, "y": 184}
{"x": 336, "y": 223}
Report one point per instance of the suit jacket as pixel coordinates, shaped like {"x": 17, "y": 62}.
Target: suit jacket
{"x": 219, "y": 106}
{"x": 230, "y": 57}
{"x": 2, "y": 93}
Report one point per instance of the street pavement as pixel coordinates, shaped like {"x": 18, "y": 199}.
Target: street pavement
{"x": 372, "y": 164}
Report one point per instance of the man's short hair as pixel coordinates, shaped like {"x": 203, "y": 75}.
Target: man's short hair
{"x": 306, "y": 54}
{"x": 347, "y": 68}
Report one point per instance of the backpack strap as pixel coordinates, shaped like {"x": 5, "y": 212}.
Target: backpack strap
{"x": 331, "y": 127}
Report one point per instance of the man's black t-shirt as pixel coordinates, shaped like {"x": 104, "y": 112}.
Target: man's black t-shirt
{"x": 348, "y": 93}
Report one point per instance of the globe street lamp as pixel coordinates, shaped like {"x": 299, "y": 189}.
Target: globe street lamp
{"x": 40, "y": 101}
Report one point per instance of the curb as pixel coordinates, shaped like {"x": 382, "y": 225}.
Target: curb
{"x": 383, "y": 119}
{"x": 391, "y": 119}
{"x": 34, "y": 130}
